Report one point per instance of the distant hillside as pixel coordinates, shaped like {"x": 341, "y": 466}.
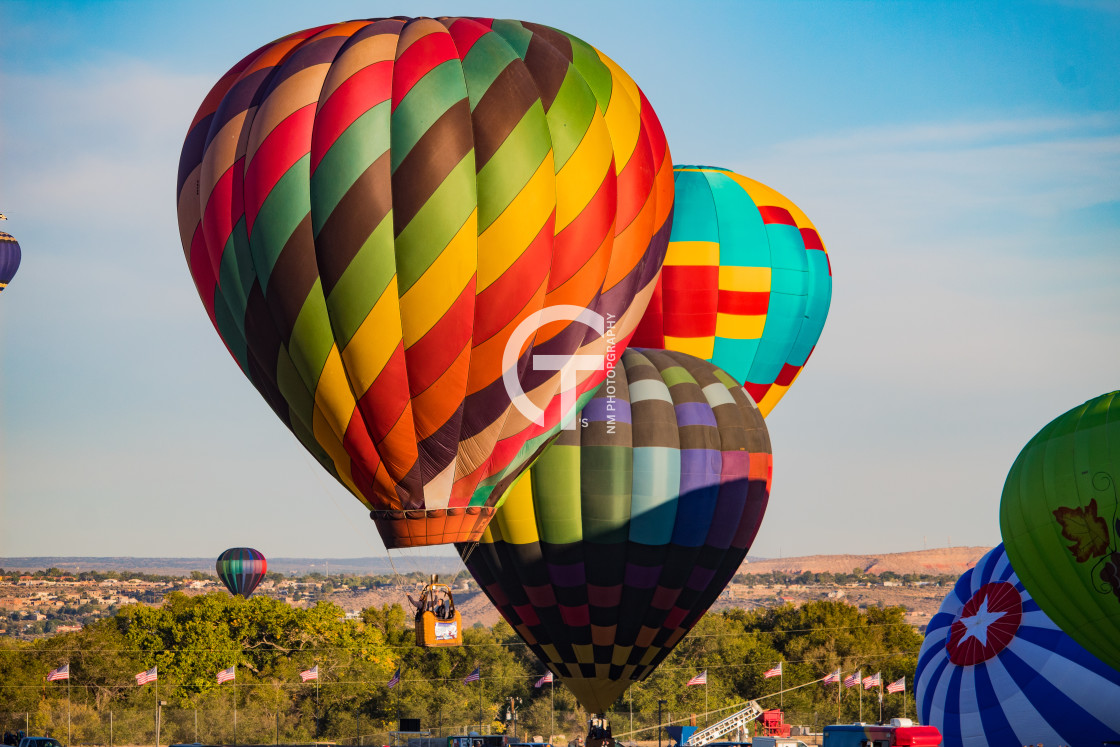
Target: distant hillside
{"x": 943, "y": 560}
{"x": 444, "y": 565}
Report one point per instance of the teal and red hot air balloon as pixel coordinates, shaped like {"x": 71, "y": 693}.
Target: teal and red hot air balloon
{"x": 370, "y": 209}
{"x": 746, "y": 285}
{"x": 241, "y": 569}
{"x": 625, "y": 530}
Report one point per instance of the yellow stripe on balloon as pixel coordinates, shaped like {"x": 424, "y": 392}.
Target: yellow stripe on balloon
{"x": 506, "y": 239}
{"x": 582, "y": 175}
{"x": 517, "y": 518}
{"x": 700, "y": 347}
{"x": 622, "y": 116}
{"x": 692, "y": 254}
{"x": 443, "y": 280}
{"x": 334, "y": 400}
{"x": 740, "y": 327}
{"x": 773, "y": 394}
{"x": 373, "y": 344}
{"x": 764, "y": 195}
{"x": 750, "y": 279}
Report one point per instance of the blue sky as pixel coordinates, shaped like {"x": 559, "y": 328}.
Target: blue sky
{"x": 960, "y": 160}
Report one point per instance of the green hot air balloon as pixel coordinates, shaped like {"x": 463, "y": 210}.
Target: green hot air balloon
{"x": 1060, "y": 520}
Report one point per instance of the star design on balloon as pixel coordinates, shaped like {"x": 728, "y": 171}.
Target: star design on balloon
{"x": 976, "y": 626}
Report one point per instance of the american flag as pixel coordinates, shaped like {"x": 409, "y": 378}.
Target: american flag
{"x": 897, "y": 686}
{"x": 62, "y": 673}
{"x": 310, "y": 674}
{"x": 872, "y": 680}
{"x": 834, "y": 677}
{"x": 226, "y": 675}
{"x": 544, "y": 680}
{"x": 395, "y": 679}
{"x": 145, "y": 677}
{"x": 700, "y": 679}
{"x": 853, "y": 679}
{"x": 775, "y": 671}
{"x": 474, "y": 676}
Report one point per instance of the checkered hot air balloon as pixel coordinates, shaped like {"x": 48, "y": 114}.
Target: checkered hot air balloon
{"x": 995, "y": 671}
{"x": 625, "y": 531}
{"x": 241, "y": 569}
{"x": 746, "y": 285}
{"x": 392, "y": 221}
{"x": 9, "y": 258}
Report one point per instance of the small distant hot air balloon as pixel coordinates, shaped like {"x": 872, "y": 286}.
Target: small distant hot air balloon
{"x": 373, "y": 210}
{"x": 626, "y": 529}
{"x": 995, "y": 671}
{"x": 241, "y": 569}
{"x": 9, "y": 258}
{"x": 746, "y": 283}
{"x": 1060, "y": 520}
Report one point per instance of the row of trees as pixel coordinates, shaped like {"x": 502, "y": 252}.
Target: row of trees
{"x": 190, "y": 639}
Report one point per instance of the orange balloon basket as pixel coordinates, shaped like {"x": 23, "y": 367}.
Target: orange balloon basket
{"x": 438, "y": 526}
{"x": 432, "y": 632}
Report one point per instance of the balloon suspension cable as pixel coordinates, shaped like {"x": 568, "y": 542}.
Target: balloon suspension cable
{"x": 470, "y": 549}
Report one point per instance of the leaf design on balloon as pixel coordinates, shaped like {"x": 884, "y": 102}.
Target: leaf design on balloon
{"x": 1110, "y": 574}
{"x": 1085, "y": 529}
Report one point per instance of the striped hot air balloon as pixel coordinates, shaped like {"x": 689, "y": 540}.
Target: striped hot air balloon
{"x": 241, "y": 569}
{"x": 747, "y": 282}
{"x": 625, "y": 531}
{"x": 995, "y": 671}
{"x": 9, "y": 258}
{"x": 391, "y": 223}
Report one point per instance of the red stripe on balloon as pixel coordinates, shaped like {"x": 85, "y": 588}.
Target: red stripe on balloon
{"x": 507, "y": 296}
{"x": 288, "y": 142}
{"x": 744, "y": 303}
{"x": 418, "y": 60}
{"x": 812, "y": 239}
{"x": 757, "y": 391}
{"x": 576, "y": 616}
{"x": 582, "y": 239}
{"x": 774, "y": 214}
{"x": 360, "y": 92}
{"x": 466, "y": 32}
{"x": 223, "y": 210}
{"x": 635, "y": 183}
{"x": 430, "y": 356}
{"x": 787, "y": 375}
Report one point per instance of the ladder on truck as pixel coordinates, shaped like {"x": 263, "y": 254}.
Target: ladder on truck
{"x": 731, "y": 723}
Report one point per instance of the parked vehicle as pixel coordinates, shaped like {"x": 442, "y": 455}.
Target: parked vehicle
{"x": 39, "y": 742}
{"x": 776, "y": 742}
{"x": 900, "y": 732}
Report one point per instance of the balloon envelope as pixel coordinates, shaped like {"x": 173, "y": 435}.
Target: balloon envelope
{"x": 626, "y": 529}
{"x": 9, "y": 258}
{"x": 746, "y": 285}
{"x": 1060, "y": 521}
{"x": 995, "y": 671}
{"x": 241, "y": 569}
{"x": 390, "y": 220}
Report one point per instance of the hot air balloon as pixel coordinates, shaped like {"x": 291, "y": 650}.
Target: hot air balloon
{"x": 9, "y": 258}
{"x": 1060, "y": 521}
{"x": 241, "y": 569}
{"x": 995, "y": 671}
{"x": 626, "y": 529}
{"x": 746, "y": 284}
{"x": 402, "y": 229}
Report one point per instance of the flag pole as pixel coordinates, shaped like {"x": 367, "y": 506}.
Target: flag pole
{"x": 480, "y": 700}
{"x": 552, "y": 690}
{"x": 859, "y": 684}
{"x": 68, "y": 704}
{"x": 839, "y": 684}
{"x": 705, "y": 697}
{"x": 880, "y": 697}
{"x": 234, "y": 691}
{"x": 782, "y": 682}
